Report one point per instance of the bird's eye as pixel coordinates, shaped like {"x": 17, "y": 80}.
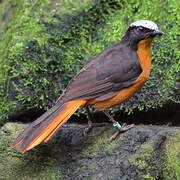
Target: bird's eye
{"x": 141, "y": 29}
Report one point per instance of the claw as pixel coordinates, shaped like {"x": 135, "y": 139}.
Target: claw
{"x": 125, "y": 128}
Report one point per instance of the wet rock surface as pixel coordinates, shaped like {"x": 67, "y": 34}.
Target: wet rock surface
{"x": 145, "y": 152}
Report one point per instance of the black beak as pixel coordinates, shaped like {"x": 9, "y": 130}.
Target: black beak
{"x": 157, "y": 32}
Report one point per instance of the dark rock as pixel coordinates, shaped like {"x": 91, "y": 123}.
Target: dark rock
{"x": 145, "y": 152}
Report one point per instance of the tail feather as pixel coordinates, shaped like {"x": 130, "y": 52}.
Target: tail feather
{"x": 45, "y": 126}
{"x": 42, "y": 118}
{"x": 52, "y": 133}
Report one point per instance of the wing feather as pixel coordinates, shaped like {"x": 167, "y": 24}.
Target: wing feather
{"x": 115, "y": 68}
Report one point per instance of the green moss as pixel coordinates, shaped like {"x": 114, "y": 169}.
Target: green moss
{"x": 161, "y": 87}
{"x": 79, "y": 170}
{"x": 171, "y": 168}
{"x": 16, "y": 165}
{"x": 22, "y": 26}
{"x": 143, "y": 162}
{"x": 48, "y": 42}
{"x": 159, "y": 159}
{"x": 148, "y": 153}
{"x": 102, "y": 144}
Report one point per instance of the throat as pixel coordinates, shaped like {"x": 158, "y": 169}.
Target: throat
{"x": 144, "y": 53}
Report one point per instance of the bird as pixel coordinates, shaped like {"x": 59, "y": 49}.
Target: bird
{"x": 110, "y": 78}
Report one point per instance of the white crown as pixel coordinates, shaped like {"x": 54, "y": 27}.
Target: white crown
{"x": 145, "y": 23}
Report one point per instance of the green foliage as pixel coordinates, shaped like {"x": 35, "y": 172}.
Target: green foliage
{"x": 22, "y": 26}
{"x": 49, "y": 42}
{"x": 7, "y": 11}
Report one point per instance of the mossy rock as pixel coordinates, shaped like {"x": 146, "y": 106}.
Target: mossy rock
{"x": 16, "y": 165}
{"x": 45, "y": 43}
{"x": 143, "y": 153}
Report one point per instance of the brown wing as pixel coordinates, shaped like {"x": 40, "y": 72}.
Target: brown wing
{"x": 115, "y": 68}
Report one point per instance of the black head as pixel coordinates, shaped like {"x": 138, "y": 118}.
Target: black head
{"x": 141, "y": 30}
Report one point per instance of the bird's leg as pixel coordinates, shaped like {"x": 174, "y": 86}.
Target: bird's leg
{"x": 117, "y": 125}
{"x": 90, "y": 123}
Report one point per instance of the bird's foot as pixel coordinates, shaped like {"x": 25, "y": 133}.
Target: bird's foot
{"x": 91, "y": 126}
{"x": 121, "y": 129}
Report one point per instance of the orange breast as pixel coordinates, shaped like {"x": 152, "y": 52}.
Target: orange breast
{"x": 144, "y": 53}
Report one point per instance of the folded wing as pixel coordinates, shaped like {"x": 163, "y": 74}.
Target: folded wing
{"x": 114, "y": 69}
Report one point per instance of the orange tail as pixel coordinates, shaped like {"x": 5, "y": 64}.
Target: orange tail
{"x": 45, "y": 126}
